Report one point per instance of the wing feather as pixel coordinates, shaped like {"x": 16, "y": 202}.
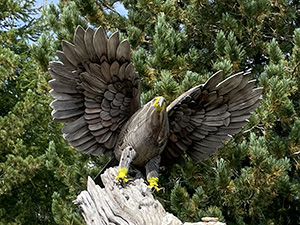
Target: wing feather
{"x": 95, "y": 88}
{"x": 112, "y": 45}
{"x": 63, "y": 87}
{"x": 69, "y": 51}
{"x": 82, "y": 140}
{"x": 100, "y": 43}
{"x": 230, "y": 83}
{"x": 88, "y": 41}
{"x": 79, "y": 42}
{"x": 213, "y": 81}
{"x": 217, "y": 110}
{"x": 75, "y": 125}
{"x": 85, "y": 146}
{"x": 123, "y": 52}
{"x": 61, "y": 70}
{"x": 64, "y": 60}
{"x": 66, "y": 105}
{"x": 66, "y": 115}
{"x": 64, "y": 96}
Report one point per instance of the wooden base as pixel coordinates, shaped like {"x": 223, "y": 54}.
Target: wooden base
{"x": 132, "y": 203}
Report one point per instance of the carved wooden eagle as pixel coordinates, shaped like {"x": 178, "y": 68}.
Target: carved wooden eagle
{"x": 97, "y": 93}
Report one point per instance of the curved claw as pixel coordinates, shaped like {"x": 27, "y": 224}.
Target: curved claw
{"x": 122, "y": 174}
{"x": 153, "y": 182}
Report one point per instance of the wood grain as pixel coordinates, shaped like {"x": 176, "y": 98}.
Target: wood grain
{"x": 133, "y": 204}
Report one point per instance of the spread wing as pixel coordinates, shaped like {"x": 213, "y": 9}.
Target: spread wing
{"x": 95, "y": 88}
{"x": 203, "y": 117}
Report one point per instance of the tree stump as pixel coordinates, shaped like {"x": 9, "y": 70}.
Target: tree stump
{"x": 132, "y": 204}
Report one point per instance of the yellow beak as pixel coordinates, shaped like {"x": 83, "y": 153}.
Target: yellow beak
{"x": 159, "y": 103}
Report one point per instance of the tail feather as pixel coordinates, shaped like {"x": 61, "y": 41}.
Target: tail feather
{"x": 111, "y": 163}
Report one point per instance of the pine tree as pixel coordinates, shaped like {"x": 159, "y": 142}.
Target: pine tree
{"x": 38, "y": 170}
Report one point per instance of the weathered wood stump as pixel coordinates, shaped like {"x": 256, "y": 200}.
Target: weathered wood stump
{"x": 132, "y": 204}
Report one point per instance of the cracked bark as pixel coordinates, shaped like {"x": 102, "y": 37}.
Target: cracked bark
{"x": 131, "y": 204}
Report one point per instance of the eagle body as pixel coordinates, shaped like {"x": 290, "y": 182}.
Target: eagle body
{"x": 147, "y": 131}
{"x": 97, "y": 94}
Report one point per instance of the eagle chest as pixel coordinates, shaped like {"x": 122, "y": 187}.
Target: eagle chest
{"x": 146, "y": 136}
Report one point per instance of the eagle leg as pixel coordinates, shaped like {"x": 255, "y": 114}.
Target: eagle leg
{"x": 127, "y": 156}
{"x": 152, "y": 169}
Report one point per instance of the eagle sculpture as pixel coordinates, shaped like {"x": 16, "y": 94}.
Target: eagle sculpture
{"x": 97, "y": 94}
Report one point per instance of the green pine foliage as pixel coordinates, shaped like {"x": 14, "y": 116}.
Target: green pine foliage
{"x": 253, "y": 179}
{"x": 40, "y": 175}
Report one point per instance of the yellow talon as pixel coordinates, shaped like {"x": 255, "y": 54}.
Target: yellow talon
{"x": 122, "y": 174}
{"x": 153, "y": 182}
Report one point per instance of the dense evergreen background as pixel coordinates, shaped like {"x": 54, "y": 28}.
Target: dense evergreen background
{"x": 176, "y": 44}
